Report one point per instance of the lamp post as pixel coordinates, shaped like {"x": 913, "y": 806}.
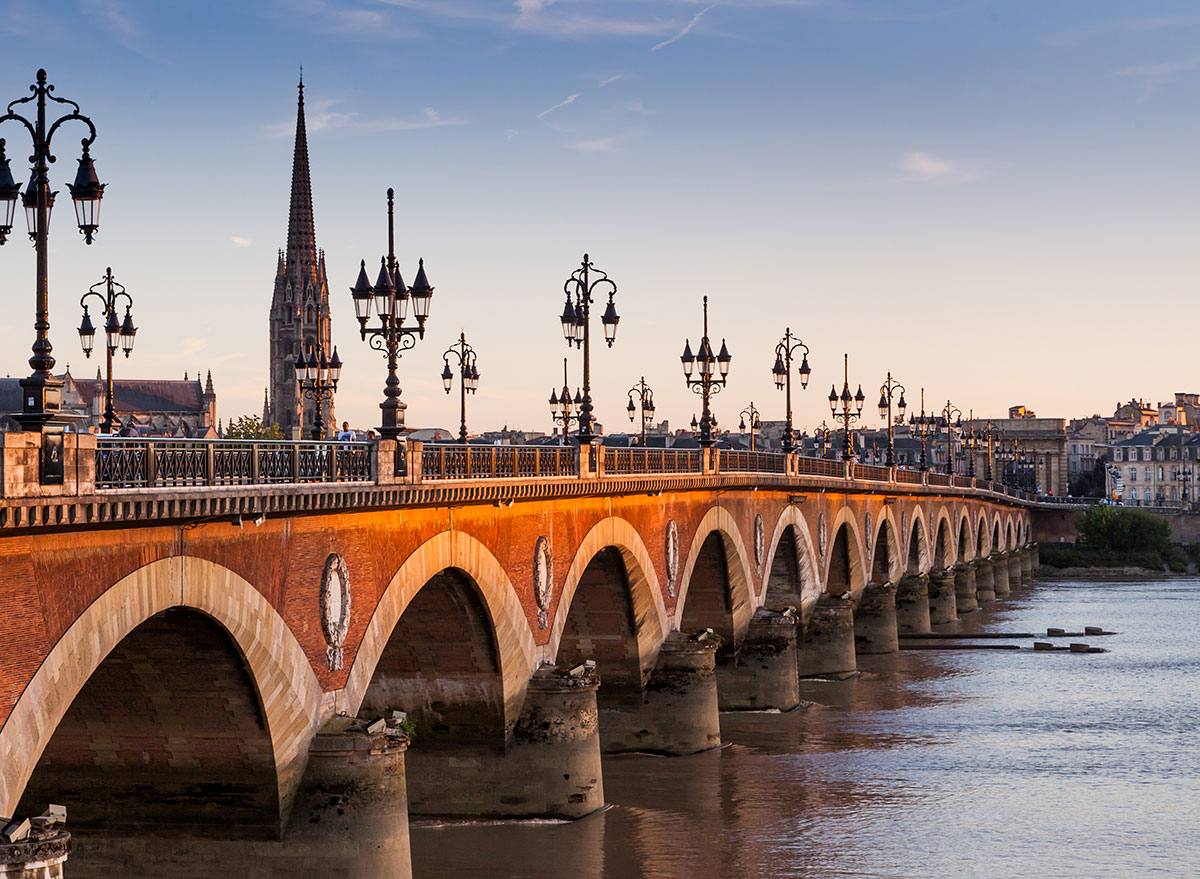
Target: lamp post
{"x": 714, "y": 370}
{"x": 782, "y": 371}
{"x": 823, "y": 435}
{"x": 886, "y": 391}
{"x": 990, "y": 433}
{"x": 971, "y": 436}
{"x": 391, "y": 299}
{"x": 576, "y": 326}
{"x": 563, "y": 410}
{"x": 317, "y": 377}
{"x": 115, "y": 334}
{"x": 751, "y": 413}
{"x": 41, "y": 392}
{"x": 851, "y": 408}
{"x": 645, "y": 397}
{"x": 468, "y": 378}
{"x": 924, "y": 423}
{"x": 950, "y": 411}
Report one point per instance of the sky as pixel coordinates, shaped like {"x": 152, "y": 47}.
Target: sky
{"x": 994, "y": 200}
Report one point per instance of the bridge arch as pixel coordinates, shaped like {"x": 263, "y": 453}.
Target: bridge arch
{"x": 997, "y": 540}
{"x": 887, "y": 561}
{"x": 918, "y": 555}
{"x": 845, "y": 564}
{"x": 613, "y": 556}
{"x": 717, "y": 535}
{"x": 1009, "y": 543}
{"x": 456, "y": 552}
{"x": 966, "y": 545}
{"x": 290, "y": 698}
{"x": 793, "y": 574}
{"x": 943, "y": 542}
{"x": 982, "y": 538}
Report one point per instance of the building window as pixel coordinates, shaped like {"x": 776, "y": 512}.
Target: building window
{"x": 1147, "y": 474}
{"x": 1133, "y": 474}
{"x": 1160, "y": 473}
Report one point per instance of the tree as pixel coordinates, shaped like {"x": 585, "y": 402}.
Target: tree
{"x": 250, "y": 427}
{"x": 1120, "y": 529}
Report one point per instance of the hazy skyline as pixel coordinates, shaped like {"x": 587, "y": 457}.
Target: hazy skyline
{"x": 993, "y": 200}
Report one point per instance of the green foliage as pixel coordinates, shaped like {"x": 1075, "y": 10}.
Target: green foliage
{"x": 1123, "y": 530}
{"x": 250, "y": 427}
{"x": 1065, "y": 556}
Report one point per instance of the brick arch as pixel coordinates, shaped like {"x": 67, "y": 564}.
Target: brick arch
{"x": 649, "y": 614}
{"x": 983, "y": 536}
{"x": 807, "y": 569}
{"x": 289, "y": 693}
{"x": 943, "y": 518}
{"x": 515, "y": 648}
{"x": 720, "y": 521}
{"x": 1009, "y": 541}
{"x": 856, "y": 573}
{"x": 920, "y": 533}
{"x": 888, "y": 531}
{"x": 997, "y": 532}
{"x": 966, "y": 541}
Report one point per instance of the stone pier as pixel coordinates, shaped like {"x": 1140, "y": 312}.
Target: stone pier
{"x": 678, "y": 713}
{"x": 1037, "y": 559}
{"x": 1027, "y": 564}
{"x": 549, "y": 769}
{"x": 999, "y": 562}
{"x": 912, "y": 604}
{"x": 828, "y": 645}
{"x": 875, "y": 620}
{"x": 762, "y": 674}
{"x": 965, "y": 596}
{"x": 985, "y": 588}
{"x": 40, "y": 855}
{"x": 943, "y": 607}
{"x": 1014, "y": 568}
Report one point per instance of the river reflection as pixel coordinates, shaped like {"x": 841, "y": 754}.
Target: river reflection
{"x": 933, "y": 763}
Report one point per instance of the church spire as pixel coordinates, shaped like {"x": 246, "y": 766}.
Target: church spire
{"x": 301, "y": 236}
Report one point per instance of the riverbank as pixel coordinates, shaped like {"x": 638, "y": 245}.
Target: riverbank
{"x": 1127, "y": 572}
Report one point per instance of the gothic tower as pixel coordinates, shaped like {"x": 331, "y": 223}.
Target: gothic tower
{"x": 300, "y": 305}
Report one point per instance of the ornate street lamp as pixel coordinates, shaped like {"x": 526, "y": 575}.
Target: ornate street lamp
{"x": 990, "y": 433}
{"x": 41, "y": 392}
{"x": 751, "y": 413}
{"x": 824, "y": 436}
{"x": 714, "y": 370}
{"x": 782, "y": 372}
{"x": 468, "y": 378}
{"x": 924, "y": 425}
{"x": 564, "y": 409}
{"x": 851, "y": 408}
{"x": 116, "y": 335}
{"x": 391, "y": 299}
{"x": 645, "y": 397}
{"x": 584, "y": 282}
{"x": 970, "y": 437}
{"x": 952, "y": 416}
{"x": 886, "y": 391}
{"x": 317, "y": 377}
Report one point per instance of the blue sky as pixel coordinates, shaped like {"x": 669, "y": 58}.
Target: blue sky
{"x": 995, "y": 200}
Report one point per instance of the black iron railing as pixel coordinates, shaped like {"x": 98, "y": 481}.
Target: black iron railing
{"x": 636, "y": 461}
{"x": 457, "y": 461}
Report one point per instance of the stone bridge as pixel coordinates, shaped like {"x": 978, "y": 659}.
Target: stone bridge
{"x": 199, "y": 634}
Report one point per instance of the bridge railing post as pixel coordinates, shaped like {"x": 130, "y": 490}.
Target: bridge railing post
{"x": 416, "y": 460}
{"x": 254, "y": 464}
{"x": 383, "y": 461}
{"x": 584, "y": 450}
{"x": 708, "y": 461}
{"x": 600, "y": 470}
{"x": 210, "y": 460}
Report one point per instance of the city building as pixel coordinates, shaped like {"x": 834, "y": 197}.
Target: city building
{"x": 299, "y": 319}
{"x": 151, "y": 407}
{"x": 1137, "y": 411}
{"x": 1155, "y": 467}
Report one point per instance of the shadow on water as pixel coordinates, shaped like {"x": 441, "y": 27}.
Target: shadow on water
{"x": 965, "y": 764}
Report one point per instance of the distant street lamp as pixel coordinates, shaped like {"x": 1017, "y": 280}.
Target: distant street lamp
{"x": 317, "y": 377}
{"x": 990, "y": 433}
{"x": 390, "y": 299}
{"x": 41, "y": 392}
{"x": 782, "y": 371}
{"x": 714, "y": 371}
{"x": 115, "y": 335}
{"x": 564, "y": 410}
{"x": 468, "y": 378}
{"x": 645, "y": 397}
{"x": 925, "y": 425}
{"x": 751, "y": 413}
{"x": 576, "y": 326}
{"x": 851, "y": 408}
{"x": 824, "y": 436}
{"x": 970, "y": 436}
{"x": 886, "y": 392}
{"x": 949, "y": 412}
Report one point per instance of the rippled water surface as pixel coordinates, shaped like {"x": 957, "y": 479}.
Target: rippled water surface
{"x": 930, "y": 764}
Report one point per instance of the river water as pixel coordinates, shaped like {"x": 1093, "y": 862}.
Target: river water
{"x": 929, "y": 764}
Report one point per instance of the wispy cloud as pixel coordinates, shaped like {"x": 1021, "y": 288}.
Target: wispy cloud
{"x": 569, "y": 99}
{"x": 636, "y": 107}
{"x": 610, "y": 80}
{"x": 687, "y": 29}
{"x": 321, "y": 117}
{"x": 239, "y": 241}
{"x": 1154, "y": 76}
{"x": 112, "y": 16}
{"x": 510, "y": 133}
{"x": 612, "y": 144}
{"x": 922, "y": 167}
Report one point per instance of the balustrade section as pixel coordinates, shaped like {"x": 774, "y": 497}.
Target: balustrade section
{"x": 637, "y": 461}
{"x": 170, "y": 463}
{"x": 456, "y": 461}
{"x": 738, "y": 461}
